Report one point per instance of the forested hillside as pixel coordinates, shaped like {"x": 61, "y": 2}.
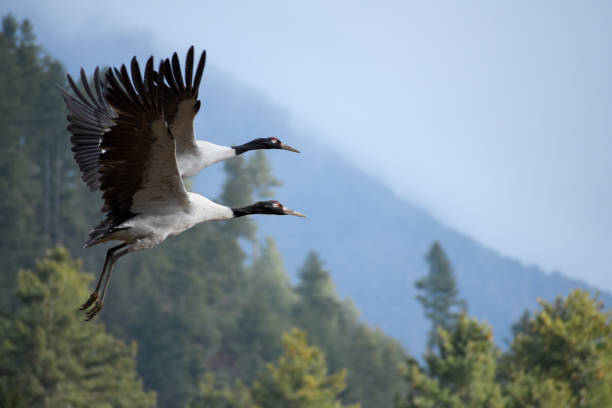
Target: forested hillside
{"x": 211, "y": 317}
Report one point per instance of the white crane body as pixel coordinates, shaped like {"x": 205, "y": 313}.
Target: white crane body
{"x": 148, "y": 230}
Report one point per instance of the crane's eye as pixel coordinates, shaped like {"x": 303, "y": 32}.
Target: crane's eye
{"x": 274, "y": 140}
{"x": 276, "y": 204}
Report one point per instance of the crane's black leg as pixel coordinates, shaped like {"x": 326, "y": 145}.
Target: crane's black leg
{"x": 94, "y": 296}
{"x": 100, "y": 303}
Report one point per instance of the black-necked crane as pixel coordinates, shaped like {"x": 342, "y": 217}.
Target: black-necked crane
{"x": 92, "y": 116}
{"x": 145, "y": 200}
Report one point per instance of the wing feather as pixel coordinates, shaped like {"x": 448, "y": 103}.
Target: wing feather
{"x": 127, "y": 84}
{"x": 176, "y": 69}
{"x": 138, "y": 166}
{"x": 188, "y": 69}
{"x": 136, "y": 77}
{"x": 199, "y": 71}
{"x": 89, "y": 119}
{"x": 181, "y": 102}
{"x": 85, "y": 83}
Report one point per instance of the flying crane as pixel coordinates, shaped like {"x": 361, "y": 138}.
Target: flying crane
{"x": 91, "y": 117}
{"x": 145, "y": 200}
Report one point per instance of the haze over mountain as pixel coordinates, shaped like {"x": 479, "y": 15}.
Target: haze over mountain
{"x": 373, "y": 241}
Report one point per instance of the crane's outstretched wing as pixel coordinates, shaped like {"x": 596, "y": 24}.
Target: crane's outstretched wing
{"x": 181, "y": 103}
{"x": 90, "y": 117}
{"x": 138, "y": 165}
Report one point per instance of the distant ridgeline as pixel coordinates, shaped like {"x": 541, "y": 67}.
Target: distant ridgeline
{"x": 376, "y": 259}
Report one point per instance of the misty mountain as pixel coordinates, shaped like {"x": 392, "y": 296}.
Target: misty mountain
{"x": 373, "y": 241}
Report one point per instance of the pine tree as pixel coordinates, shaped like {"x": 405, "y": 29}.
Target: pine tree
{"x": 299, "y": 379}
{"x": 319, "y": 311}
{"x": 317, "y": 293}
{"x": 214, "y": 394}
{"x": 333, "y": 325}
{"x": 562, "y": 356}
{"x": 268, "y": 273}
{"x": 440, "y": 294}
{"x": 50, "y": 358}
{"x": 461, "y": 358}
{"x": 265, "y": 307}
{"x": 460, "y": 375}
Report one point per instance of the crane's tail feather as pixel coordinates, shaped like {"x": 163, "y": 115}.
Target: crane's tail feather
{"x": 106, "y": 227}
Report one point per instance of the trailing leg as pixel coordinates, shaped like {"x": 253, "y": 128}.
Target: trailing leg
{"x": 94, "y": 295}
{"x": 100, "y": 303}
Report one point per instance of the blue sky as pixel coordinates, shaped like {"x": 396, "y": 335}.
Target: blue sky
{"x": 493, "y": 116}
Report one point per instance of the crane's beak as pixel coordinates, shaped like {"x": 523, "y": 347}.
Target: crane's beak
{"x": 287, "y": 147}
{"x": 289, "y": 211}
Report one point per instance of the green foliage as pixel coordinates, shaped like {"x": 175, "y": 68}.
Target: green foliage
{"x": 268, "y": 275}
{"x": 50, "y": 358}
{"x": 440, "y": 294}
{"x": 562, "y": 356}
{"x": 461, "y": 359}
{"x": 178, "y": 301}
{"x": 319, "y": 306}
{"x": 18, "y": 206}
{"x": 461, "y": 373}
{"x": 299, "y": 379}
{"x": 316, "y": 286}
{"x": 267, "y": 298}
{"x": 264, "y": 312}
{"x": 211, "y": 394}
{"x": 43, "y": 202}
{"x": 371, "y": 358}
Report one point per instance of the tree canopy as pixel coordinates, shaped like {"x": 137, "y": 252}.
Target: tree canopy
{"x": 562, "y": 356}
{"x": 460, "y": 374}
{"x": 439, "y": 294}
{"x": 300, "y": 379}
{"x": 50, "y": 358}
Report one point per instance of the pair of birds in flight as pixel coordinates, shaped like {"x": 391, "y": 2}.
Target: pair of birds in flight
{"x": 133, "y": 139}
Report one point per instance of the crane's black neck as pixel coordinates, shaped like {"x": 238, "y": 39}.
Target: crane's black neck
{"x": 260, "y": 207}
{"x": 249, "y": 209}
{"x": 241, "y": 212}
{"x": 254, "y": 144}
